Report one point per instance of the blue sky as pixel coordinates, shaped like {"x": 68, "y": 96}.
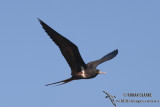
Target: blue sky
{"x": 29, "y": 59}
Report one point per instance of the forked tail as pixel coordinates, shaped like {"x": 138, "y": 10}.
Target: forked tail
{"x": 62, "y": 82}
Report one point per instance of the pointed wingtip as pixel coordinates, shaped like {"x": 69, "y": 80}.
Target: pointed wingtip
{"x": 40, "y": 20}
{"x": 116, "y": 51}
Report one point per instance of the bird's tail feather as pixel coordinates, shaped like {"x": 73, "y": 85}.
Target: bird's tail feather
{"x": 62, "y": 82}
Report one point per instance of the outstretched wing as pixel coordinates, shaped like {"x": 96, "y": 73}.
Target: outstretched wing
{"x": 68, "y": 49}
{"x": 107, "y": 57}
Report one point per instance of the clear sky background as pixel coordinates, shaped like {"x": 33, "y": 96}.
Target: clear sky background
{"x": 29, "y": 59}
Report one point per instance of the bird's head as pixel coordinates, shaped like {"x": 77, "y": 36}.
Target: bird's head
{"x": 100, "y": 72}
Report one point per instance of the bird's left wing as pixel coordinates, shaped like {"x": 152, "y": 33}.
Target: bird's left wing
{"x": 68, "y": 49}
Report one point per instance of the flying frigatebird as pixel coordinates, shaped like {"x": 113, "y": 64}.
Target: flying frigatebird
{"x": 70, "y": 51}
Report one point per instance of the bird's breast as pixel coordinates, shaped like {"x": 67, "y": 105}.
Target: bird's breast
{"x": 83, "y": 74}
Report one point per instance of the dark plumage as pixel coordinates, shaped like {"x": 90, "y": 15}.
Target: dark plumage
{"x": 70, "y": 51}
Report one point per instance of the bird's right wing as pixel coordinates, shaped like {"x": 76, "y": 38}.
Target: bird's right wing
{"x": 107, "y": 57}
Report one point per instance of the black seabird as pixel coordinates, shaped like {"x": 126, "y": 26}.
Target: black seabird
{"x": 70, "y": 51}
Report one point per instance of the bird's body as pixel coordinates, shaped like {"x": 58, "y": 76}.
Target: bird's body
{"x": 70, "y": 51}
{"x": 86, "y": 73}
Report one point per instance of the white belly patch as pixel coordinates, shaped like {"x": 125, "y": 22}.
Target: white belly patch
{"x": 83, "y": 74}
